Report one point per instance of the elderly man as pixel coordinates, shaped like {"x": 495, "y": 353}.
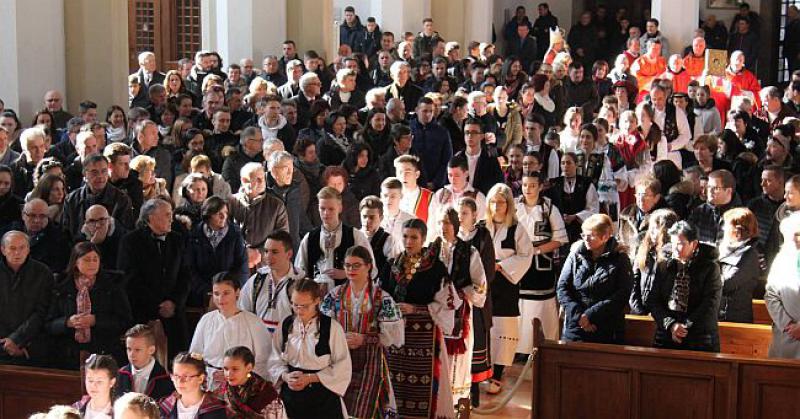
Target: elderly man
{"x": 249, "y": 150}
{"x": 146, "y": 133}
{"x": 96, "y": 190}
{"x": 148, "y": 74}
{"x": 48, "y": 243}
{"x": 33, "y": 149}
{"x": 25, "y": 287}
{"x": 157, "y": 289}
{"x": 402, "y": 87}
{"x": 294, "y": 70}
{"x": 248, "y": 72}
{"x": 396, "y": 111}
{"x": 256, "y": 213}
{"x": 282, "y": 184}
{"x": 85, "y": 144}
{"x": 54, "y": 102}
{"x": 100, "y": 228}
{"x": 310, "y": 88}
{"x": 695, "y": 60}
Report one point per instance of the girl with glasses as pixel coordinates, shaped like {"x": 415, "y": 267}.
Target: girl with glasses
{"x": 189, "y": 399}
{"x": 372, "y": 322}
{"x": 310, "y": 357}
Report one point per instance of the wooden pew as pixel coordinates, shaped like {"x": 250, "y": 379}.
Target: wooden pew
{"x": 735, "y": 338}
{"x": 760, "y": 313}
{"x": 26, "y": 390}
{"x": 579, "y": 380}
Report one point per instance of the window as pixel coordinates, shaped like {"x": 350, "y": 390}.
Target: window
{"x": 168, "y": 28}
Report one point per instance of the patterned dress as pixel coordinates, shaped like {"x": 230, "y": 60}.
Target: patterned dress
{"x": 373, "y": 313}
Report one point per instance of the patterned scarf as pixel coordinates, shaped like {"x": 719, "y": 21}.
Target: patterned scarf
{"x": 249, "y": 399}
{"x": 679, "y": 299}
{"x": 215, "y": 236}
{"x": 83, "y": 303}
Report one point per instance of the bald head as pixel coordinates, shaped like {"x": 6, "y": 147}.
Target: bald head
{"x": 53, "y": 100}
{"x": 34, "y": 215}
{"x": 96, "y": 211}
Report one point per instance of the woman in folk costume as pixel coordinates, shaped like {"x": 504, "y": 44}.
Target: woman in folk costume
{"x": 226, "y": 327}
{"x": 245, "y": 393}
{"x": 372, "y": 322}
{"x": 469, "y": 279}
{"x": 189, "y": 400}
{"x": 557, "y": 45}
{"x": 513, "y": 253}
{"x": 418, "y": 282}
{"x": 545, "y": 226}
{"x": 310, "y": 357}
{"x": 479, "y": 237}
{"x": 635, "y": 153}
{"x": 783, "y": 292}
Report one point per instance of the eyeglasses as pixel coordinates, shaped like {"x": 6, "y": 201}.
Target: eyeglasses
{"x": 97, "y": 221}
{"x": 353, "y": 266}
{"x": 184, "y": 378}
{"x": 35, "y": 216}
{"x": 588, "y": 236}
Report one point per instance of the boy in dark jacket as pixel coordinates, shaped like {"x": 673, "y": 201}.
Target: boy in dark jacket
{"x": 143, "y": 374}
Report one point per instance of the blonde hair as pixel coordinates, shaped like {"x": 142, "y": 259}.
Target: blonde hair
{"x": 143, "y": 162}
{"x": 511, "y": 214}
{"x": 599, "y": 223}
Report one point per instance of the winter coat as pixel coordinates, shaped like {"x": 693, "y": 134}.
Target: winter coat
{"x": 741, "y": 275}
{"x": 709, "y": 118}
{"x": 112, "y": 313}
{"x": 705, "y": 287}
{"x": 205, "y": 261}
{"x": 598, "y": 288}
{"x": 258, "y": 217}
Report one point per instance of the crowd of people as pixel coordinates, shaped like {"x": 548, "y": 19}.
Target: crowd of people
{"x": 372, "y": 238}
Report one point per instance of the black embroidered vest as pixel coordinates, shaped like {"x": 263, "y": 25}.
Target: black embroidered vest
{"x": 315, "y": 252}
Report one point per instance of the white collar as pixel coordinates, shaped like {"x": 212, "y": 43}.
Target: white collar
{"x": 146, "y": 370}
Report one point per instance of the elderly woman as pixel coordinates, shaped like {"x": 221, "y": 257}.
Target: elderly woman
{"x": 740, "y": 266}
{"x": 152, "y": 186}
{"x": 195, "y": 191}
{"x": 214, "y": 245}
{"x": 594, "y": 285}
{"x": 783, "y": 293}
{"x": 685, "y": 297}
{"x": 89, "y": 310}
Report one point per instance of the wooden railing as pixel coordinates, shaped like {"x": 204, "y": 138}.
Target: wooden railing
{"x": 581, "y": 380}
{"x": 25, "y": 390}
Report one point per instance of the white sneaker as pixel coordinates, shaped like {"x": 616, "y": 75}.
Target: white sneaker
{"x": 494, "y": 386}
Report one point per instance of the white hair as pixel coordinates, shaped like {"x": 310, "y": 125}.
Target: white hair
{"x": 277, "y": 157}
{"x": 144, "y": 55}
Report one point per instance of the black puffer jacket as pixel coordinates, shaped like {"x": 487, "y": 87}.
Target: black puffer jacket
{"x": 598, "y": 288}
{"x": 705, "y": 287}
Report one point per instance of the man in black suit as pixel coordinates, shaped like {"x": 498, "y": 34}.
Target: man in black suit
{"x": 484, "y": 170}
{"x": 158, "y": 288}
{"x": 310, "y": 87}
{"x": 148, "y": 75}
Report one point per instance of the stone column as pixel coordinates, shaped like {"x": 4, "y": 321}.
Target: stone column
{"x": 310, "y": 24}
{"x": 402, "y": 16}
{"x": 244, "y": 28}
{"x": 32, "y": 53}
{"x": 678, "y": 20}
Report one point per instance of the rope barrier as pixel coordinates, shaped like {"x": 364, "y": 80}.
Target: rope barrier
{"x": 507, "y": 397}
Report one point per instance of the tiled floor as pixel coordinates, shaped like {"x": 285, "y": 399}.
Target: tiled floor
{"x": 520, "y": 404}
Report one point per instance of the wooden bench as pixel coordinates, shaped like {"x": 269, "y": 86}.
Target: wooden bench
{"x": 760, "y": 313}
{"x": 745, "y": 339}
{"x": 26, "y": 390}
{"x": 580, "y": 380}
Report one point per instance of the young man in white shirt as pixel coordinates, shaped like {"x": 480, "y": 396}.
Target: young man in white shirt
{"x": 415, "y": 199}
{"x": 393, "y": 216}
